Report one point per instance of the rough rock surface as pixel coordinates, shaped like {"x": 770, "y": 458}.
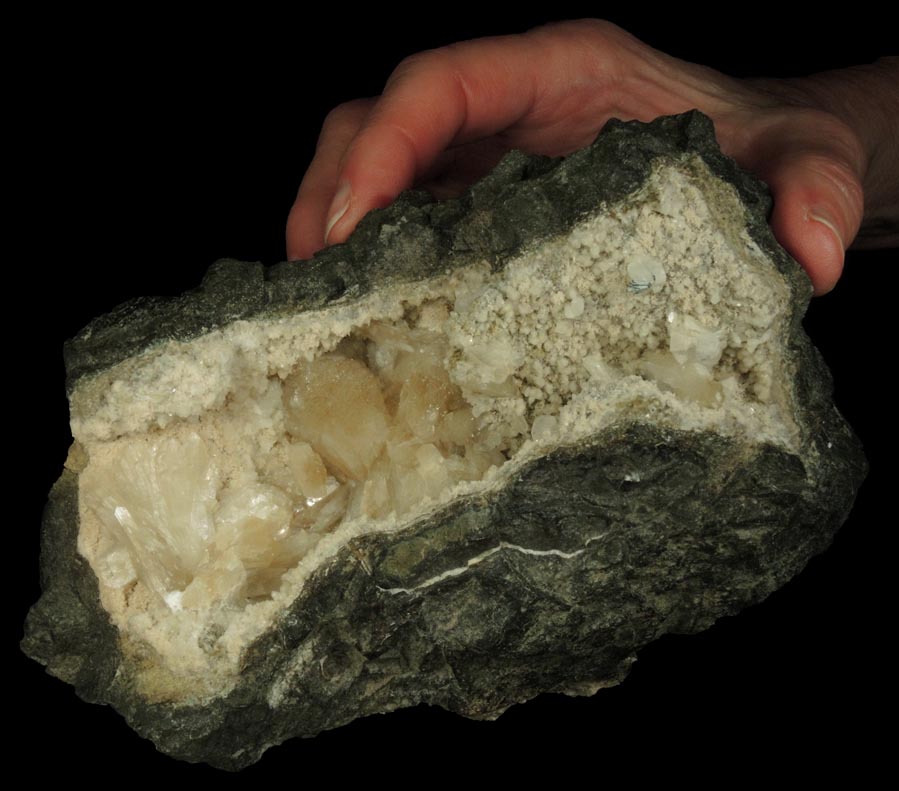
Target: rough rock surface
{"x": 550, "y": 584}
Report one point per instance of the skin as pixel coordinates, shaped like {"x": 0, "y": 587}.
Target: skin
{"x": 826, "y": 145}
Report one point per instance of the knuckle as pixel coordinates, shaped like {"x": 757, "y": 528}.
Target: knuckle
{"x": 344, "y": 114}
{"x": 418, "y": 64}
{"x": 599, "y": 31}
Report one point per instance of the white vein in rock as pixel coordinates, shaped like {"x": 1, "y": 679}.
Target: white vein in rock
{"x": 471, "y": 562}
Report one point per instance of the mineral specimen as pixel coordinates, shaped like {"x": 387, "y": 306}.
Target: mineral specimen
{"x": 489, "y": 447}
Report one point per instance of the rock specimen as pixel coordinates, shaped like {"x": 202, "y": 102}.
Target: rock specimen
{"x": 487, "y": 448}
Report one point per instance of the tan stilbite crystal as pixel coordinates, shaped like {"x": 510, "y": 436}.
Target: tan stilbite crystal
{"x": 373, "y": 428}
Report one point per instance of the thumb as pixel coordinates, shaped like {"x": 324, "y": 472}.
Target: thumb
{"x": 818, "y": 200}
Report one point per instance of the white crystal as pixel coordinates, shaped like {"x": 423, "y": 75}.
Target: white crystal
{"x": 544, "y": 428}
{"x": 156, "y": 498}
{"x": 645, "y": 272}
{"x": 690, "y": 341}
{"x": 574, "y": 308}
{"x": 690, "y": 381}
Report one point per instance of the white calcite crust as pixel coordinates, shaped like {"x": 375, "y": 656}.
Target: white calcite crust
{"x": 224, "y": 470}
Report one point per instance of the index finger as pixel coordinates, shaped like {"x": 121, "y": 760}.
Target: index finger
{"x": 433, "y": 100}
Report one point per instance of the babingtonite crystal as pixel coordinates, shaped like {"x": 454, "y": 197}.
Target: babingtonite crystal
{"x": 487, "y": 448}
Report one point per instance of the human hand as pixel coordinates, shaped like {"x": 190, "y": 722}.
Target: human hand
{"x": 447, "y": 116}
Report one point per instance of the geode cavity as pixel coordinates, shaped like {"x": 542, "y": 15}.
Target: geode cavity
{"x": 487, "y": 448}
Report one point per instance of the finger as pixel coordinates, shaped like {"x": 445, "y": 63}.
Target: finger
{"x": 815, "y": 177}
{"x": 547, "y": 91}
{"x": 306, "y": 221}
{"x": 432, "y": 101}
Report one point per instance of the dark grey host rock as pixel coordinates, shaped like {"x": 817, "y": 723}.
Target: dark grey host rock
{"x": 711, "y": 526}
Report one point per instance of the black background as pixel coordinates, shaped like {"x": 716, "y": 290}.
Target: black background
{"x": 151, "y": 146}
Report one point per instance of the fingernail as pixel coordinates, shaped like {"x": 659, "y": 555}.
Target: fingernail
{"x": 822, "y": 216}
{"x": 338, "y": 207}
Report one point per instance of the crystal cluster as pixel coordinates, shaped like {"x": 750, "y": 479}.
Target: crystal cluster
{"x": 210, "y": 513}
{"x": 373, "y": 428}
